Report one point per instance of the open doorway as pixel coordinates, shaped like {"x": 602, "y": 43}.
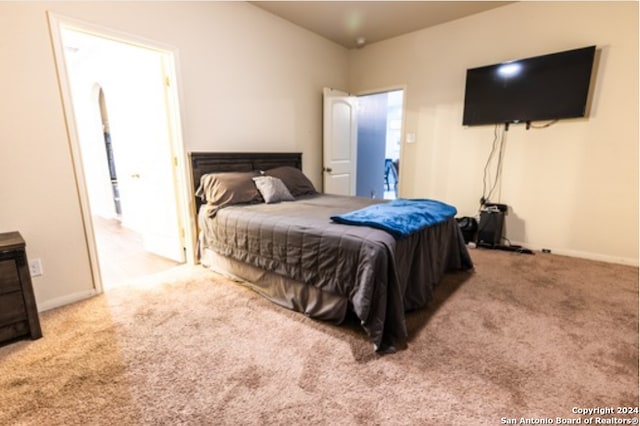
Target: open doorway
{"x": 379, "y": 134}
{"x": 124, "y": 129}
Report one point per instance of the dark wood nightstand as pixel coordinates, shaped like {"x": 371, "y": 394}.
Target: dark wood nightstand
{"x": 18, "y": 310}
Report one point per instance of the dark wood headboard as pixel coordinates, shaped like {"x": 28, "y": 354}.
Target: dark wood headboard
{"x": 218, "y": 162}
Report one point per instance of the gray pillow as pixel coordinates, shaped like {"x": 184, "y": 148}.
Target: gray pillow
{"x": 221, "y": 189}
{"x": 272, "y": 189}
{"x": 297, "y": 183}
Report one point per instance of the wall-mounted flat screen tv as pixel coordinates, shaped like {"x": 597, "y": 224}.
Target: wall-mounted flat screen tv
{"x": 547, "y": 87}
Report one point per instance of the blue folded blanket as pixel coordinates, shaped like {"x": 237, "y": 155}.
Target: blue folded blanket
{"x": 399, "y": 217}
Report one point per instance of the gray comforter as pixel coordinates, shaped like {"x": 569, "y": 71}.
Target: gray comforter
{"x": 381, "y": 277}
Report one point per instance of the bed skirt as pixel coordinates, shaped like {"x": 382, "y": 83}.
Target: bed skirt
{"x": 283, "y": 291}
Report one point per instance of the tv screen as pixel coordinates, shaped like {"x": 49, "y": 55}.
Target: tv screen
{"x": 547, "y": 87}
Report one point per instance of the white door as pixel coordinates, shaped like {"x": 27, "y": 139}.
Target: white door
{"x": 142, "y": 140}
{"x": 339, "y": 142}
{"x": 153, "y": 167}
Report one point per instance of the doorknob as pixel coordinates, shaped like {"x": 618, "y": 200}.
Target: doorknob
{"x": 328, "y": 169}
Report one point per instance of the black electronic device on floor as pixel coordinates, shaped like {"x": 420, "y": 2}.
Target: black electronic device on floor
{"x": 490, "y": 228}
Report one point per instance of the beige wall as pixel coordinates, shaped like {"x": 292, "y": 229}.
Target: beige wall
{"x": 572, "y": 187}
{"x": 249, "y": 81}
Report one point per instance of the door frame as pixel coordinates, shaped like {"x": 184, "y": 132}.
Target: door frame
{"x": 388, "y": 89}
{"x": 183, "y": 199}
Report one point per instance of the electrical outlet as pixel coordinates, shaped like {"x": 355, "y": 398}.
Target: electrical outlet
{"x": 35, "y": 267}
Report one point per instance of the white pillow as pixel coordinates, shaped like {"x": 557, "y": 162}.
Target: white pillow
{"x": 272, "y": 189}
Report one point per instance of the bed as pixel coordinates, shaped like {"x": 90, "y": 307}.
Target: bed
{"x": 292, "y": 253}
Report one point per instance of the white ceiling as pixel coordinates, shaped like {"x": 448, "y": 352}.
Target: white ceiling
{"x": 344, "y": 21}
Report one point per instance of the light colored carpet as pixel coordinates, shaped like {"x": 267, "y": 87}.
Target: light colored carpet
{"x": 521, "y": 336}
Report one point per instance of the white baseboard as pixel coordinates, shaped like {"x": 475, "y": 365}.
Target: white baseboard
{"x": 598, "y": 257}
{"x": 584, "y": 255}
{"x": 65, "y": 300}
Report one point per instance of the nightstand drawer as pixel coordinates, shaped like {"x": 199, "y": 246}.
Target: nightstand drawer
{"x": 11, "y": 331}
{"x": 12, "y": 308}
{"x": 9, "y": 279}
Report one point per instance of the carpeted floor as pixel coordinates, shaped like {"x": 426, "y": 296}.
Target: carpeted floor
{"x": 520, "y": 337}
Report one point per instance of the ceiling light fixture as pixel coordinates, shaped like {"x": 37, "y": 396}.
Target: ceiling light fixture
{"x": 361, "y": 41}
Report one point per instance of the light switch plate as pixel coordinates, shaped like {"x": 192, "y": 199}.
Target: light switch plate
{"x": 411, "y": 138}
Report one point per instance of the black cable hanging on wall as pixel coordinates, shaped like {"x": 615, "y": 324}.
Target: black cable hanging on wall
{"x": 497, "y": 146}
